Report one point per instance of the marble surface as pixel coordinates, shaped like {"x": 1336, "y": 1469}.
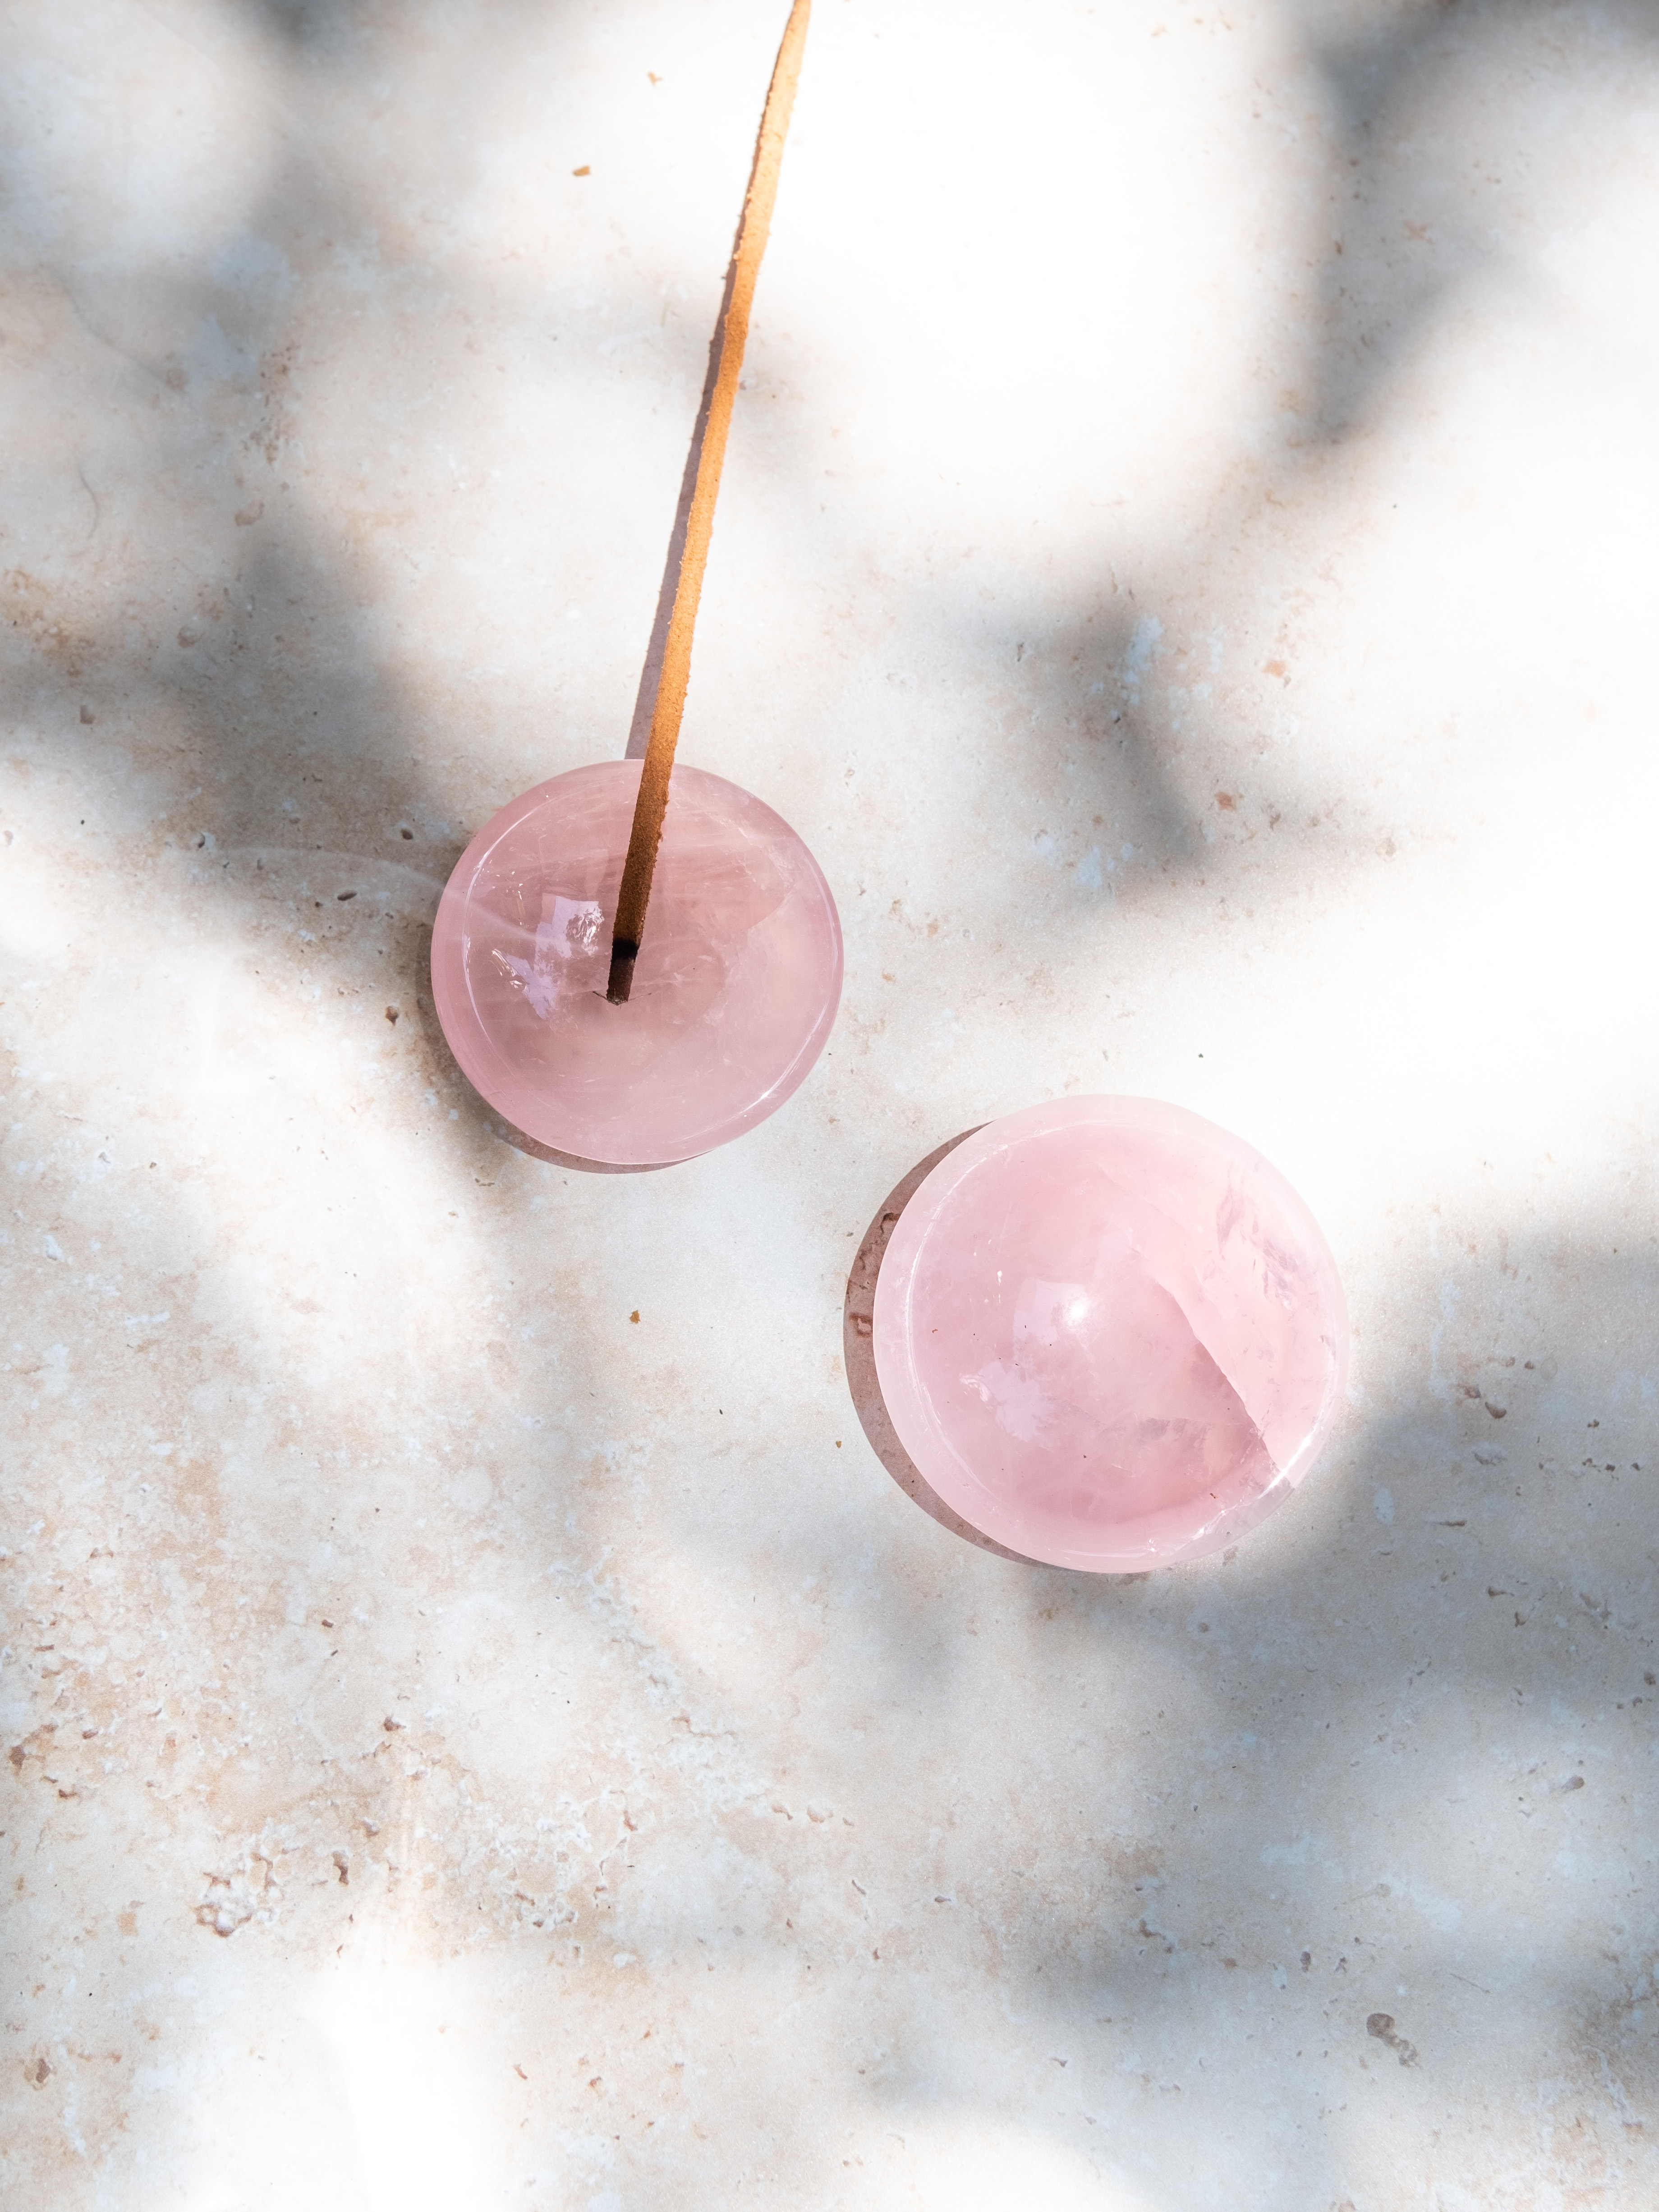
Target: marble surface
{"x": 1185, "y": 567}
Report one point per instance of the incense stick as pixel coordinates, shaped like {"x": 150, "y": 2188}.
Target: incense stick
{"x": 730, "y": 335}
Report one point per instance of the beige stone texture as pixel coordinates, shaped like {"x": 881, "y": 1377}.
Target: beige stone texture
{"x": 1185, "y": 565}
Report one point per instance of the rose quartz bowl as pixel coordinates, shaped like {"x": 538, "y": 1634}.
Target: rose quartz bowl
{"x": 1110, "y": 1335}
{"x": 735, "y": 987}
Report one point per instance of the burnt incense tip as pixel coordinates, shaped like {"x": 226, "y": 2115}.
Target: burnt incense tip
{"x": 622, "y": 956}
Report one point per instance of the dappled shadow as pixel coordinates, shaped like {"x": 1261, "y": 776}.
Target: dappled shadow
{"x": 1394, "y": 262}
{"x": 316, "y": 29}
{"x": 1422, "y": 182}
{"x": 310, "y": 25}
{"x": 932, "y": 1812}
{"x": 1111, "y": 710}
{"x": 1451, "y": 1615}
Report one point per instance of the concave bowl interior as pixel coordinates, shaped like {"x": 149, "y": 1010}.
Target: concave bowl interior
{"x": 1110, "y": 1335}
{"x": 735, "y": 987}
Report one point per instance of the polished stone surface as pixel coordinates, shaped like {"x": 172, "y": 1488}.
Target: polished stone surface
{"x": 1110, "y": 1335}
{"x": 734, "y": 989}
{"x": 1184, "y": 569}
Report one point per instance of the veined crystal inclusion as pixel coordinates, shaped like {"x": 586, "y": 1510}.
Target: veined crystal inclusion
{"x": 1108, "y": 1333}
{"x": 735, "y": 989}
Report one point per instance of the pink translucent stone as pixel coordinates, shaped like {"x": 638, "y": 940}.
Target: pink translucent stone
{"x": 735, "y": 987}
{"x": 1110, "y": 1335}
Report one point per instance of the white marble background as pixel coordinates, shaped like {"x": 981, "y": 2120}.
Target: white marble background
{"x": 1187, "y": 565}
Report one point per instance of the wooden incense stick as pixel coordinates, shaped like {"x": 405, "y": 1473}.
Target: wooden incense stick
{"x": 729, "y": 338}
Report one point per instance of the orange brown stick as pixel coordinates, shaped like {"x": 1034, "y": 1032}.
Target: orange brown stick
{"x": 651, "y": 803}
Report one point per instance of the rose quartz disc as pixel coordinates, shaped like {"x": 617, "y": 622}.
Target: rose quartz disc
{"x": 1110, "y": 1335}
{"x": 735, "y": 987}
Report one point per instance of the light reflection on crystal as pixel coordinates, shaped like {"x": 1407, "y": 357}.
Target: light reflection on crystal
{"x": 570, "y": 940}
{"x": 1108, "y": 1333}
{"x": 734, "y": 990}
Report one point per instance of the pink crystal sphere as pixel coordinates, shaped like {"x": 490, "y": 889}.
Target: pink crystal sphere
{"x": 735, "y": 987}
{"x": 1110, "y": 1335}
